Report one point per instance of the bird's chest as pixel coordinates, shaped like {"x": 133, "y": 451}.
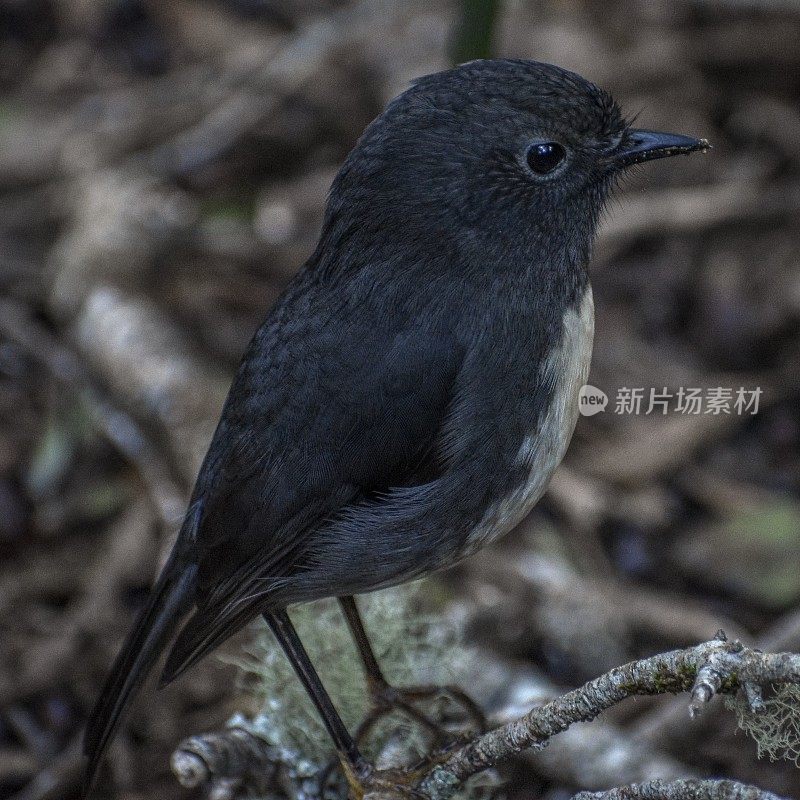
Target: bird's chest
{"x": 535, "y": 458}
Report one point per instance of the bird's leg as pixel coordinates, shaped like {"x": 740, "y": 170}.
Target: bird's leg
{"x": 386, "y": 697}
{"x": 376, "y": 681}
{"x": 356, "y": 768}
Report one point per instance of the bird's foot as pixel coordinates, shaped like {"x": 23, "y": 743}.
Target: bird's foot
{"x": 389, "y": 783}
{"x": 392, "y": 783}
{"x": 454, "y": 714}
{"x": 445, "y": 716}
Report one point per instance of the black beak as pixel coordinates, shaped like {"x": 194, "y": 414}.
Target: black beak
{"x": 639, "y": 146}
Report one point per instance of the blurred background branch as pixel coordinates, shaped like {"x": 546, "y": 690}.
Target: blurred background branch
{"x": 475, "y": 30}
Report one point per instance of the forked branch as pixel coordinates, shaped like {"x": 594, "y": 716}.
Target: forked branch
{"x": 682, "y": 790}
{"x": 715, "y": 667}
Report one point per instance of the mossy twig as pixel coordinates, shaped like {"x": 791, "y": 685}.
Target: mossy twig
{"x": 715, "y": 667}
{"x": 682, "y": 790}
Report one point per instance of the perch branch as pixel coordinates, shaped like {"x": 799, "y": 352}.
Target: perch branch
{"x": 236, "y": 756}
{"x": 715, "y": 667}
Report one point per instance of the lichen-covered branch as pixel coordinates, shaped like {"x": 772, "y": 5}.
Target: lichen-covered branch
{"x": 586, "y": 757}
{"x": 225, "y": 761}
{"x": 237, "y": 756}
{"x": 714, "y": 667}
{"x": 682, "y": 790}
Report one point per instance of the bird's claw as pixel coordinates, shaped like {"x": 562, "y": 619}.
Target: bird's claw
{"x": 387, "y": 698}
{"x": 444, "y": 730}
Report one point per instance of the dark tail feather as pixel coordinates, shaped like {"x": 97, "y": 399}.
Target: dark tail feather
{"x": 199, "y": 637}
{"x": 168, "y": 604}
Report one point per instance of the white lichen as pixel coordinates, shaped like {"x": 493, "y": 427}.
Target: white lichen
{"x": 414, "y": 642}
{"x": 775, "y": 725}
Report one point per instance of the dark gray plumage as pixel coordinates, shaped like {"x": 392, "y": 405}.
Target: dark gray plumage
{"x": 410, "y": 394}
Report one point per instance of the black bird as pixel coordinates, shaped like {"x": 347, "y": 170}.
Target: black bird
{"x": 409, "y": 396}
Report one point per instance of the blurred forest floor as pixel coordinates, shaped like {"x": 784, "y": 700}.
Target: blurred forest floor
{"x": 163, "y": 169}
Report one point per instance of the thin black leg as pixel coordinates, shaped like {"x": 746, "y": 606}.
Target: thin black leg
{"x": 371, "y": 667}
{"x": 385, "y": 695}
{"x": 287, "y": 636}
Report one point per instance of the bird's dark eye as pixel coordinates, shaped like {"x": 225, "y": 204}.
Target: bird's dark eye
{"x": 544, "y": 157}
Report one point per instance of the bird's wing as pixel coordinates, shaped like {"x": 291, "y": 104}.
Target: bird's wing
{"x": 331, "y": 406}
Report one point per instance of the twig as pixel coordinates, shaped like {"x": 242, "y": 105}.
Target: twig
{"x": 584, "y": 757}
{"x": 681, "y": 790}
{"x": 119, "y": 427}
{"x": 237, "y": 754}
{"x": 665, "y": 723}
{"x": 715, "y": 667}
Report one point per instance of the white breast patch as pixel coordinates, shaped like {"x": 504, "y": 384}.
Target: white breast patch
{"x": 542, "y": 450}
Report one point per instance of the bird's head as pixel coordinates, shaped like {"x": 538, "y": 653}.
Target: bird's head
{"x": 497, "y": 150}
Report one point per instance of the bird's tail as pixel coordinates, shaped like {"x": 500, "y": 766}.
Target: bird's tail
{"x": 169, "y": 602}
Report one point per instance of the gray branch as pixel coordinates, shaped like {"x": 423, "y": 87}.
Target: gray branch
{"x": 715, "y": 667}
{"x": 227, "y": 760}
{"x": 682, "y": 790}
